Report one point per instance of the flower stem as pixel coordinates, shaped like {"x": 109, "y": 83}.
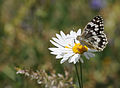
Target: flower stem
{"x": 81, "y": 74}
{"x": 78, "y": 76}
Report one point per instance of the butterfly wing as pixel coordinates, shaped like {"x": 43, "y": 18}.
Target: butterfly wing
{"x": 93, "y": 34}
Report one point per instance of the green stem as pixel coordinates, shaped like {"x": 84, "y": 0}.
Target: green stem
{"x": 81, "y": 74}
{"x": 78, "y": 76}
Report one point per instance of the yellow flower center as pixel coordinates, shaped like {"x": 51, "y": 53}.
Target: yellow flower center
{"x": 79, "y": 49}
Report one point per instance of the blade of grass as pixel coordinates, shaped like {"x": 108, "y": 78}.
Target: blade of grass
{"x": 77, "y": 75}
{"x": 81, "y": 80}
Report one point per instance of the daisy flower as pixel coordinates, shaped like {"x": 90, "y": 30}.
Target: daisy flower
{"x": 69, "y": 48}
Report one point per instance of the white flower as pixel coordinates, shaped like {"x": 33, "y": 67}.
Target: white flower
{"x": 69, "y": 48}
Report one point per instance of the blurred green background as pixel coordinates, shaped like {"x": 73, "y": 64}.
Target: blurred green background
{"x": 26, "y": 26}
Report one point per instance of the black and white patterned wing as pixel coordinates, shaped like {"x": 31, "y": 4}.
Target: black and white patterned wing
{"x": 93, "y": 34}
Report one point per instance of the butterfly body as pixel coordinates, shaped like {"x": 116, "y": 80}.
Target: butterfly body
{"x": 93, "y": 34}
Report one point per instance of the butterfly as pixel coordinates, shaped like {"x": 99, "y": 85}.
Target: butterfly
{"x": 93, "y": 35}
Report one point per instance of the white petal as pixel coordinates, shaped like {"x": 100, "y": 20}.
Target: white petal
{"x": 91, "y": 50}
{"x": 62, "y": 42}
{"x": 69, "y": 41}
{"x": 70, "y": 51}
{"x": 86, "y": 55}
{"x": 56, "y": 40}
{"x": 90, "y": 54}
{"x": 68, "y": 55}
{"x": 67, "y": 35}
{"x": 74, "y": 34}
{"x": 55, "y": 49}
{"x": 57, "y": 45}
{"x": 62, "y": 34}
{"x": 70, "y": 37}
{"x": 76, "y": 41}
{"x": 65, "y": 57}
{"x": 79, "y": 32}
{"x": 76, "y": 59}
{"x": 71, "y": 32}
{"x": 58, "y": 36}
{"x": 60, "y": 49}
{"x": 63, "y": 60}
{"x": 81, "y": 60}
{"x": 55, "y": 53}
{"x": 72, "y": 43}
{"x": 72, "y": 59}
{"x": 59, "y": 56}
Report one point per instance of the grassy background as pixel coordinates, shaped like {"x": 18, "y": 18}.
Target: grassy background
{"x": 26, "y": 26}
